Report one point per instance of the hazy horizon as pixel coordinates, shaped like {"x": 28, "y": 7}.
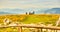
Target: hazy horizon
{"x": 23, "y": 6}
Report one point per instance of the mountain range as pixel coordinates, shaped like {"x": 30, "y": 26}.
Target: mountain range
{"x": 37, "y": 11}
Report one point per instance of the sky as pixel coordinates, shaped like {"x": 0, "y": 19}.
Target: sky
{"x": 23, "y": 4}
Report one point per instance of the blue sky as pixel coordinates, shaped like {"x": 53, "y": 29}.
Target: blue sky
{"x": 29, "y": 4}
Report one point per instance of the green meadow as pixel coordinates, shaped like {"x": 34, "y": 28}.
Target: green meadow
{"x": 28, "y": 19}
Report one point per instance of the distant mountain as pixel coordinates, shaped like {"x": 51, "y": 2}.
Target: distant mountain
{"x": 53, "y": 11}
{"x": 20, "y": 11}
{"x": 37, "y": 11}
{"x": 5, "y": 13}
{"x": 11, "y": 11}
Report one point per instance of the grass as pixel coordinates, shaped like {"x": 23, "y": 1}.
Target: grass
{"x": 27, "y": 19}
{"x": 47, "y": 19}
{"x": 8, "y": 29}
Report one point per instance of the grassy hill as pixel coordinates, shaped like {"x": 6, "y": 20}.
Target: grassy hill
{"x": 27, "y": 19}
{"x": 46, "y": 19}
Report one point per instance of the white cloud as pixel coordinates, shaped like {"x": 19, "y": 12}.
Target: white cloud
{"x": 29, "y": 3}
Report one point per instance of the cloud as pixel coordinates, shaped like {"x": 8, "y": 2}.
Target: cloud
{"x": 29, "y": 3}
